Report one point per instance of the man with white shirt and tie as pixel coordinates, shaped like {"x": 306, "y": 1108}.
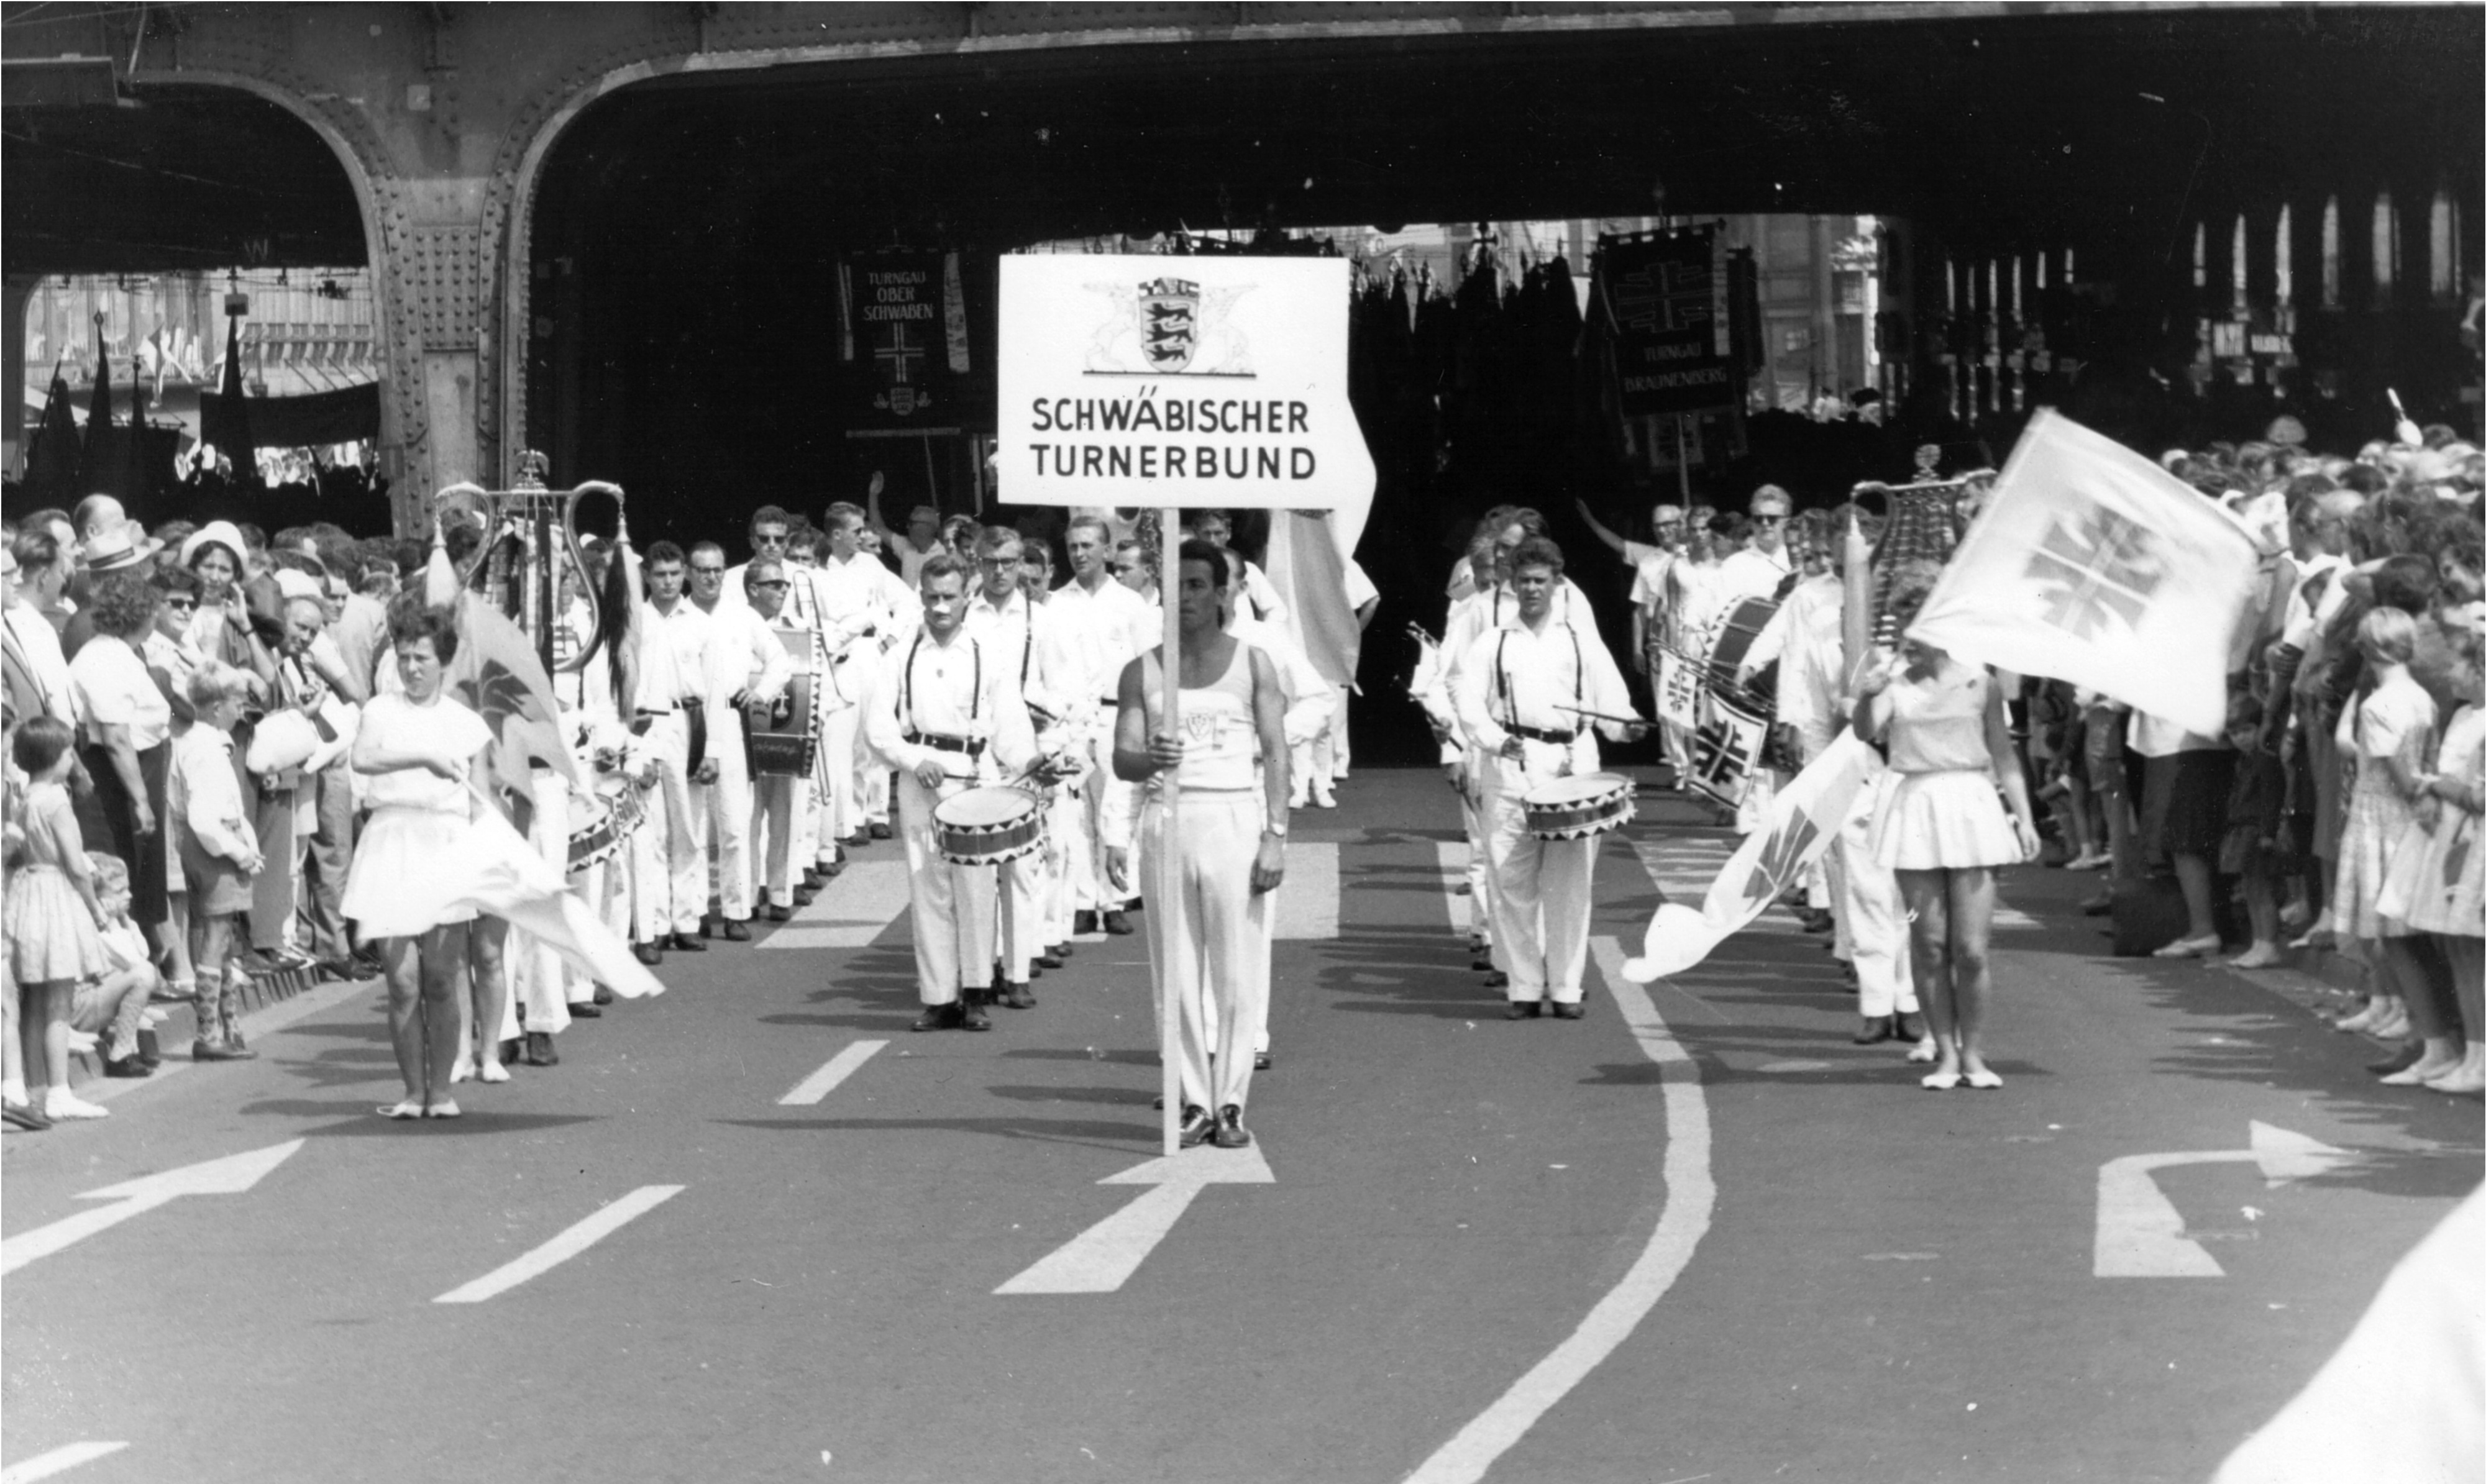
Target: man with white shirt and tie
{"x": 1120, "y": 627}
{"x": 674, "y": 690}
{"x": 945, "y": 713}
{"x": 746, "y": 663}
{"x": 1519, "y": 693}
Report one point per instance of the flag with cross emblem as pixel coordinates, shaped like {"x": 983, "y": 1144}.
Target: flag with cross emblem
{"x": 2094, "y": 565}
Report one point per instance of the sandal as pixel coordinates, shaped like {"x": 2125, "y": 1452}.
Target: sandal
{"x": 444, "y": 1109}
{"x": 409, "y": 1108}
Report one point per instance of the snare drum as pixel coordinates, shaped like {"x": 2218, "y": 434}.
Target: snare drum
{"x": 1578, "y": 807}
{"x": 987, "y": 826}
{"x": 610, "y": 817}
{"x": 782, "y": 737}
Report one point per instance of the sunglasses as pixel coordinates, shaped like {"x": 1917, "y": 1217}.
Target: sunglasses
{"x": 181, "y": 602}
{"x": 1769, "y": 520}
{"x": 779, "y": 582}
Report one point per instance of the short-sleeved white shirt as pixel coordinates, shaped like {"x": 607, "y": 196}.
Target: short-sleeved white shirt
{"x": 445, "y": 729}
{"x": 113, "y": 688}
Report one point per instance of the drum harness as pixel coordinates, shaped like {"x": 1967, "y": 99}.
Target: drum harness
{"x": 973, "y": 747}
{"x": 1510, "y": 702}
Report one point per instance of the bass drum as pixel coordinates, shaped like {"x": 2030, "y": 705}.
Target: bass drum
{"x": 1736, "y": 636}
{"x": 783, "y": 737}
{"x": 609, "y": 819}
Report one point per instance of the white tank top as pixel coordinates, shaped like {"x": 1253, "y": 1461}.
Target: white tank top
{"x": 1221, "y": 741}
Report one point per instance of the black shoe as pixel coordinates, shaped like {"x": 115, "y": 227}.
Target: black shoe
{"x": 1523, "y": 1009}
{"x": 1819, "y": 922}
{"x": 936, "y": 1017}
{"x": 540, "y": 1052}
{"x": 339, "y": 970}
{"x": 150, "y": 1051}
{"x": 812, "y": 880}
{"x": 1570, "y": 1009}
{"x": 1084, "y": 921}
{"x": 603, "y": 994}
{"x": 587, "y": 1011}
{"x": 1497, "y": 980}
{"x": 737, "y": 932}
{"x": 1015, "y": 996}
{"x": 1118, "y": 924}
{"x": 1231, "y": 1133}
{"x": 1262, "y": 1062}
{"x": 1876, "y": 1030}
{"x": 1060, "y": 950}
{"x": 1046, "y": 960}
{"x": 220, "y": 1051}
{"x": 1482, "y": 963}
{"x": 855, "y": 842}
{"x": 24, "y": 1115}
{"x": 125, "y": 1066}
{"x": 881, "y": 832}
{"x": 972, "y": 1016}
{"x": 778, "y": 914}
{"x": 2400, "y": 1061}
{"x": 1136, "y": 904}
{"x": 803, "y": 896}
{"x": 1195, "y": 1126}
{"x": 514, "y": 1049}
{"x": 688, "y": 944}
{"x": 2098, "y": 906}
{"x": 648, "y": 953}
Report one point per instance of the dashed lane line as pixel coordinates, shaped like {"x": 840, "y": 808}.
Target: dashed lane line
{"x": 42, "y": 1465}
{"x": 1691, "y": 1197}
{"x": 563, "y": 1247}
{"x": 838, "y": 1068}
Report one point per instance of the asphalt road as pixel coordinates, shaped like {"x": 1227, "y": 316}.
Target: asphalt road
{"x": 1698, "y": 1235}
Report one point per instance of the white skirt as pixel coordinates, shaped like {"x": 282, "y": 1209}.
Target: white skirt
{"x": 409, "y": 864}
{"x": 1942, "y": 821}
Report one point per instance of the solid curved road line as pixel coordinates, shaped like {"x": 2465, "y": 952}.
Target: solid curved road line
{"x": 1691, "y": 1195}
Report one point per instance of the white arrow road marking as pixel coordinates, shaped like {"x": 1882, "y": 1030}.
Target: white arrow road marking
{"x": 1104, "y": 1256}
{"x": 2140, "y": 1232}
{"x": 1691, "y": 1194}
{"x": 42, "y": 1465}
{"x": 1307, "y": 904}
{"x": 563, "y": 1247}
{"x": 820, "y": 1084}
{"x": 850, "y": 911}
{"x": 230, "y": 1175}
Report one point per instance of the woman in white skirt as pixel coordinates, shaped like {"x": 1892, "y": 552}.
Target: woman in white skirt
{"x": 418, "y": 749}
{"x": 1941, "y": 828}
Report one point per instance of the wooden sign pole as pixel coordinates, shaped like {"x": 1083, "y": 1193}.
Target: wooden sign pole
{"x": 1165, "y": 889}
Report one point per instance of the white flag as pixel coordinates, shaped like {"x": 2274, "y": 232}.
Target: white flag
{"x": 2094, "y": 565}
{"x": 498, "y": 872}
{"x": 1804, "y": 819}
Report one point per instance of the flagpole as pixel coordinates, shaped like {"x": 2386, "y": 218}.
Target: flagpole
{"x": 1165, "y": 897}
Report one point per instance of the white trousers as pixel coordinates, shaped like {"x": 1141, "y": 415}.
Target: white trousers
{"x": 1064, "y": 813}
{"x": 1207, "y": 946}
{"x": 1111, "y": 806}
{"x": 665, "y": 860}
{"x": 777, "y": 802}
{"x": 1542, "y": 894}
{"x": 721, "y": 818}
{"x": 1479, "y": 872}
{"x": 538, "y": 998}
{"x": 1332, "y": 753}
{"x": 1872, "y": 916}
{"x": 1019, "y": 889}
{"x": 953, "y": 906}
{"x": 871, "y": 787}
{"x": 840, "y": 813}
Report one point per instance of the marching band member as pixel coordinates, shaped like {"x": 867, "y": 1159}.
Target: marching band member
{"x": 1510, "y": 692}
{"x": 854, "y": 607}
{"x": 746, "y": 663}
{"x": 775, "y": 537}
{"x": 1044, "y": 668}
{"x": 1119, "y": 626}
{"x": 1066, "y": 738}
{"x": 1260, "y": 599}
{"x": 898, "y": 600}
{"x": 1437, "y": 666}
{"x": 946, "y": 715}
{"x": 1498, "y": 601}
{"x": 776, "y": 799}
{"x": 669, "y": 858}
{"x": 1231, "y": 760}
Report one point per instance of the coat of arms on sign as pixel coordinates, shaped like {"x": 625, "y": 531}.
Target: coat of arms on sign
{"x": 898, "y": 358}
{"x": 1168, "y": 326}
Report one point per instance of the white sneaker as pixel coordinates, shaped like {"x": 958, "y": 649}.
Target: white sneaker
{"x": 61, "y": 1103}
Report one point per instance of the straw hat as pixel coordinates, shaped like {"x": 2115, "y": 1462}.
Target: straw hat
{"x": 115, "y": 550}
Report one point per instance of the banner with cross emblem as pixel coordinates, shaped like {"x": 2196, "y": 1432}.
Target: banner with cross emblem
{"x": 901, "y": 343}
{"x": 2094, "y": 565}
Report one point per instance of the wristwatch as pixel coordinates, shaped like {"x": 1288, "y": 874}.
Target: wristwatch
{"x": 1276, "y": 827}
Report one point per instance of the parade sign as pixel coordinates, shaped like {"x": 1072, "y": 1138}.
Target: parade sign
{"x": 1667, "y": 296}
{"x": 2094, "y": 565}
{"x": 1156, "y": 381}
{"x": 902, "y": 339}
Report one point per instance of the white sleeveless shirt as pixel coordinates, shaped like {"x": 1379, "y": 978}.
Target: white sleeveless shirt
{"x": 1221, "y": 738}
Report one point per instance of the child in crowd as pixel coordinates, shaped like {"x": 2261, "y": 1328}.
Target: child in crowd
{"x": 113, "y": 1004}
{"x": 2255, "y": 846}
{"x": 54, "y": 920}
{"x": 219, "y": 854}
{"x": 2385, "y": 735}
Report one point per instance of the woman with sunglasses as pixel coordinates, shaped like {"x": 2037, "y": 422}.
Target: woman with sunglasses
{"x": 172, "y": 659}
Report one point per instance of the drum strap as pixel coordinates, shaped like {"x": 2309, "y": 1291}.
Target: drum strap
{"x": 1510, "y": 702}
{"x": 974, "y": 699}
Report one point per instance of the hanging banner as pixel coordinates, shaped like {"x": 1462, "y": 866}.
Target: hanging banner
{"x": 902, "y": 342}
{"x": 1154, "y": 381}
{"x": 1665, "y": 296}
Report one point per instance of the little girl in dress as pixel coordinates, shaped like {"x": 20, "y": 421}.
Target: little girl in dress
{"x": 54, "y": 920}
{"x": 2387, "y": 734}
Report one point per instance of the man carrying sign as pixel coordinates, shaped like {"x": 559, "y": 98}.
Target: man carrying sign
{"x": 1229, "y": 756}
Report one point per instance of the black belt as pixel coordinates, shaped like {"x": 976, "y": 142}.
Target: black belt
{"x": 1114, "y": 701}
{"x": 973, "y": 747}
{"x": 1540, "y": 734}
